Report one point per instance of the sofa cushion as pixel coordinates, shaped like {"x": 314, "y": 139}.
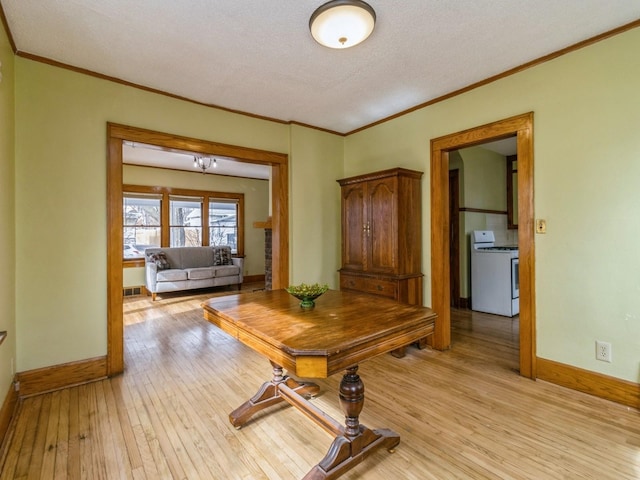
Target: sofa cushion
{"x": 195, "y": 257}
{"x": 227, "y": 270}
{"x": 173, "y": 257}
{"x": 171, "y": 275}
{"x": 200, "y": 273}
{"x": 222, "y": 256}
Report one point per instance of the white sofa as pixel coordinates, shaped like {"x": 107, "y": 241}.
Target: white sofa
{"x": 185, "y": 268}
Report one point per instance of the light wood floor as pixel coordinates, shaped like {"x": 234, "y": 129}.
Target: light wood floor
{"x": 464, "y": 413}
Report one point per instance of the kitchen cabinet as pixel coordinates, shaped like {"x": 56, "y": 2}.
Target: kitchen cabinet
{"x": 382, "y": 234}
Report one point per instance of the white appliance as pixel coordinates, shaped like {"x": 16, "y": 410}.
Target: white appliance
{"x": 495, "y": 282}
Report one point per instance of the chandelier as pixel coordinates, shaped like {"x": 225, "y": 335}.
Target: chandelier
{"x": 204, "y": 163}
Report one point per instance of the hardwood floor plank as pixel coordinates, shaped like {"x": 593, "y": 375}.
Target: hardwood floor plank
{"x": 62, "y": 436}
{"x": 50, "y": 438}
{"x": 21, "y": 439}
{"x": 123, "y": 424}
{"x": 147, "y": 465}
{"x": 125, "y": 453}
{"x": 73, "y": 448}
{"x": 84, "y": 436}
{"x": 153, "y": 460}
{"x": 169, "y": 445}
{"x": 36, "y": 455}
{"x": 98, "y": 452}
{"x": 461, "y": 414}
{"x": 184, "y": 434}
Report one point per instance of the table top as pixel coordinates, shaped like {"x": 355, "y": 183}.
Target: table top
{"x": 344, "y": 328}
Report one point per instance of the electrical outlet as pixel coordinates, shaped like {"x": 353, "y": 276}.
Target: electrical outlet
{"x": 603, "y": 351}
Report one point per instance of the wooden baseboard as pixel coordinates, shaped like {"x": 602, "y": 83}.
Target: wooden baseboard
{"x": 603, "y": 386}
{"x": 8, "y": 410}
{"x": 47, "y": 379}
{"x": 252, "y": 278}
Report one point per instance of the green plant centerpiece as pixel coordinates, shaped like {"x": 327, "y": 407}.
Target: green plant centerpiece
{"x": 307, "y": 293}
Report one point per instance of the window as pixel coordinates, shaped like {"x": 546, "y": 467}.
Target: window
{"x": 165, "y": 216}
{"x": 185, "y": 221}
{"x": 223, "y": 223}
{"x": 141, "y": 221}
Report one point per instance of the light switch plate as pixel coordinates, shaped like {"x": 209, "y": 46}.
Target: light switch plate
{"x": 541, "y": 226}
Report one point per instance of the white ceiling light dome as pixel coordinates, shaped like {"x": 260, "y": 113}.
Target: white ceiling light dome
{"x": 342, "y": 23}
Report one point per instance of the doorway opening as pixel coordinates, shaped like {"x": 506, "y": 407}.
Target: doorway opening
{"x": 116, "y": 135}
{"x": 522, "y": 127}
{"x": 481, "y": 197}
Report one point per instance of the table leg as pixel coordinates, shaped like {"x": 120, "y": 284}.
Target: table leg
{"x": 358, "y": 441}
{"x": 399, "y": 352}
{"x": 420, "y": 344}
{"x": 268, "y": 395}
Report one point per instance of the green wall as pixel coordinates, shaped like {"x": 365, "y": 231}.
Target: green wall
{"x": 315, "y": 206}
{"x": 60, "y": 195}
{"x": 7, "y": 217}
{"x": 256, "y": 207}
{"x": 586, "y": 154}
{"x": 485, "y": 184}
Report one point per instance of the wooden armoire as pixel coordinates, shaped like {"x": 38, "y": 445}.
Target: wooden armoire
{"x": 382, "y": 234}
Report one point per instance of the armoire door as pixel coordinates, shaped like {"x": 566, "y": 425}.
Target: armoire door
{"x": 382, "y": 225}
{"x": 354, "y": 218}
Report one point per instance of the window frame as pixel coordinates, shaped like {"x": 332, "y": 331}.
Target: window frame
{"x": 207, "y": 196}
{"x": 126, "y": 226}
{"x": 207, "y": 228}
{"x": 196, "y": 200}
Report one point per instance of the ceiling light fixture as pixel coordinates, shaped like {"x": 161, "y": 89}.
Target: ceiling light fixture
{"x": 204, "y": 163}
{"x": 342, "y": 23}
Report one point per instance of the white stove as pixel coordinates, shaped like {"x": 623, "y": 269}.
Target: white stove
{"x": 495, "y": 283}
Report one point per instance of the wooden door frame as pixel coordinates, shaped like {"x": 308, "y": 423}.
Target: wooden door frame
{"x": 454, "y": 228}
{"x": 116, "y": 134}
{"x": 522, "y": 127}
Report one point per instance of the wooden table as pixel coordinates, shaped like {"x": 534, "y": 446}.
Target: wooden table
{"x": 343, "y": 330}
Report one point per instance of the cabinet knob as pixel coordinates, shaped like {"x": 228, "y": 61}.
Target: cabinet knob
{"x": 380, "y": 288}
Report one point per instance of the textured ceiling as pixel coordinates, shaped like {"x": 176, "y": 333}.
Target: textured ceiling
{"x": 258, "y": 57}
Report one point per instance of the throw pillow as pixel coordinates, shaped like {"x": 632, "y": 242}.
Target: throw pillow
{"x": 222, "y": 256}
{"x": 160, "y": 259}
